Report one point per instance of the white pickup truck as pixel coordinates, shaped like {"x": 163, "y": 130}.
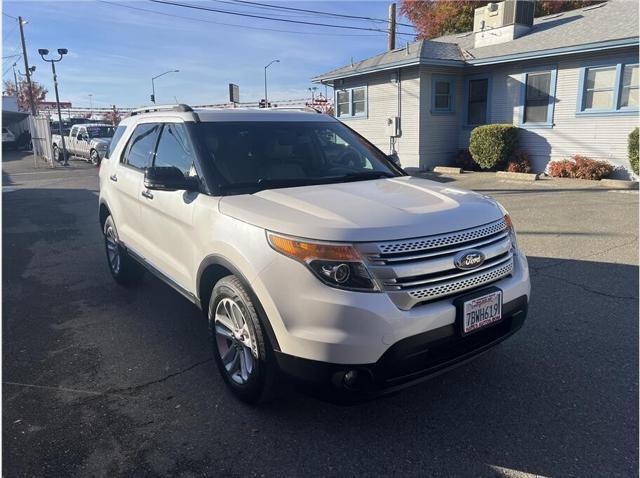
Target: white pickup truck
{"x": 86, "y": 141}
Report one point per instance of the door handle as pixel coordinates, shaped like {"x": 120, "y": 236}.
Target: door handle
{"x": 114, "y": 178}
{"x": 147, "y": 194}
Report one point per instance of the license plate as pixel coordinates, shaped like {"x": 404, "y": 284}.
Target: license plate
{"x": 481, "y": 312}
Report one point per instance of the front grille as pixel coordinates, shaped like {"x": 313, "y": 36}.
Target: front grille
{"x": 419, "y": 270}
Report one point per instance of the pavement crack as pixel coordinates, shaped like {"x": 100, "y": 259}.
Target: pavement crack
{"x": 135, "y": 388}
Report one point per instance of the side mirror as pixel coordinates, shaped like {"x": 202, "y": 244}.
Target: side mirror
{"x": 169, "y": 178}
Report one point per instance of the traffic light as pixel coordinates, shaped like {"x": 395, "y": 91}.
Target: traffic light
{"x": 153, "y": 98}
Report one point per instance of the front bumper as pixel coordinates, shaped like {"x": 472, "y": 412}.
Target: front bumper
{"x": 408, "y": 361}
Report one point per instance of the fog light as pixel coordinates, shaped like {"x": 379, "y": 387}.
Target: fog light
{"x": 351, "y": 378}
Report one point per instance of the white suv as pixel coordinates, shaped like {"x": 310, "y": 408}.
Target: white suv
{"x": 313, "y": 256}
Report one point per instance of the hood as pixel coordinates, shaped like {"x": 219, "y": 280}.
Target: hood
{"x": 95, "y": 142}
{"x": 378, "y": 210}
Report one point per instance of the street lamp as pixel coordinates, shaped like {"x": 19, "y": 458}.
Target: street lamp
{"x": 153, "y": 86}
{"x": 266, "y": 100}
{"x": 62, "y": 52}
{"x": 313, "y": 89}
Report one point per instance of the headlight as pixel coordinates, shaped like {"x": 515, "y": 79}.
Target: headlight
{"x": 337, "y": 265}
{"x": 512, "y": 233}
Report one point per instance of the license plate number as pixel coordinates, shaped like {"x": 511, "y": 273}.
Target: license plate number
{"x": 481, "y": 312}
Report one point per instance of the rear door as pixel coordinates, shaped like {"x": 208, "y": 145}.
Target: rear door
{"x": 127, "y": 179}
{"x": 166, "y": 217}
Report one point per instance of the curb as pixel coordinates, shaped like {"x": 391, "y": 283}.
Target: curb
{"x": 618, "y": 184}
{"x": 519, "y": 176}
{"x": 447, "y": 170}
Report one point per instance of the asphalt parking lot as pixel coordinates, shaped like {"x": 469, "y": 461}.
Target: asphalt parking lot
{"x": 102, "y": 381}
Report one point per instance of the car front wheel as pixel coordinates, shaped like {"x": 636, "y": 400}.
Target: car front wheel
{"x": 240, "y": 346}
{"x": 94, "y": 157}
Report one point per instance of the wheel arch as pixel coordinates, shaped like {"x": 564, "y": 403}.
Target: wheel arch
{"x": 103, "y": 213}
{"x": 215, "y": 267}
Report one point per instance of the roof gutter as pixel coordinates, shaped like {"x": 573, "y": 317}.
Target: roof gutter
{"x": 570, "y": 50}
{"x": 389, "y": 66}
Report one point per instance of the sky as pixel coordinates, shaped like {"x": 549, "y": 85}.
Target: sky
{"x": 116, "y": 47}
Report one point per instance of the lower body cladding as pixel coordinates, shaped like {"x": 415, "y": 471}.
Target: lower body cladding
{"x": 361, "y": 344}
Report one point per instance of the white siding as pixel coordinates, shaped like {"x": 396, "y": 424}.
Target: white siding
{"x": 439, "y": 132}
{"x": 382, "y": 98}
{"x": 599, "y": 137}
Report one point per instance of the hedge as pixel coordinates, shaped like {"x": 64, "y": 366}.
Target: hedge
{"x": 633, "y": 150}
{"x": 492, "y": 145}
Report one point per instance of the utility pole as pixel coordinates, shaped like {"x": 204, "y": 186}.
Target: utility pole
{"x": 392, "y": 27}
{"x": 266, "y": 100}
{"x": 26, "y": 67}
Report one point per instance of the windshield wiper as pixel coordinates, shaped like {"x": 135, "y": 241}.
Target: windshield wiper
{"x": 263, "y": 183}
{"x": 364, "y": 176}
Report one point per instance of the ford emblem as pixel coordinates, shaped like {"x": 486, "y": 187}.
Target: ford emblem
{"x": 467, "y": 260}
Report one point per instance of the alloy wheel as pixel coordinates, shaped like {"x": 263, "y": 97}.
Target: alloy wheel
{"x": 113, "y": 253}
{"x": 236, "y": 345}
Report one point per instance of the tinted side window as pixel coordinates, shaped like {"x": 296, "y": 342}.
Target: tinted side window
{"x": 174, "y": 148}
{"x": 74, "y": 131}
{"x": 114, "y": 140}
{"x": 141, "y": 145}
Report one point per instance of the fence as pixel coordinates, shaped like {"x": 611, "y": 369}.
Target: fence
{"x": 41, "y": 139}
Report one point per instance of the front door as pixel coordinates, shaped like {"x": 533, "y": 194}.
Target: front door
{"x": 166, "y": 217}
{"x": 128, "y": 180}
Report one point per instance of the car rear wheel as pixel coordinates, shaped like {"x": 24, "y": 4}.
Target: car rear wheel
{"x": 94, "y": 157}
{"x": 57, "y": 154}
{"x": 123, "y": 268}
{"x": 240, "y": 346}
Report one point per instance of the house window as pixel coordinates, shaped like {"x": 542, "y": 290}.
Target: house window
{"x": 443, "y": 95}
{"x": 538, "y": 97}
{"x": 478, "y": 92}
{"x": 599, "y": 88}
{"x": 610, "y": 89}
{"x": 351, "y": 102}
{"x": 629, "y": 95}
{"x": 342, "y": 102}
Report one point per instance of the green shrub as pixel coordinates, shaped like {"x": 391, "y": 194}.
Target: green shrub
{"x": 492, "y": 145}
{"x": 633, "y": 150}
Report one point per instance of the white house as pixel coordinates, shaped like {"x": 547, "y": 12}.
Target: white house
{"x": 569, "y": 81}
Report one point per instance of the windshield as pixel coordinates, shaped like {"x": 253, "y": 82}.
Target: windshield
{"x": 251, "y": 156}
{"x": 101, "y": 131}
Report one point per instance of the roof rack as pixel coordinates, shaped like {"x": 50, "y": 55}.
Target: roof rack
{"x": 183, "y": 108}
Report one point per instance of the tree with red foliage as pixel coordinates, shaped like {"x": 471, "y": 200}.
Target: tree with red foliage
{"x": 39, "y": 93}
{"x": 434, "y": 18}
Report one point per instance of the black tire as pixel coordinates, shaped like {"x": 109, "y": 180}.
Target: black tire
{"x": 263, "y": 383}
{"x": 57, "y": 154}
{"x": 123, "y": 268}
{"x": 94, "y": 157}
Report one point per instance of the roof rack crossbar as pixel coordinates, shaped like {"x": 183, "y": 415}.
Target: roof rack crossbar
{"x": 184, "y": 108}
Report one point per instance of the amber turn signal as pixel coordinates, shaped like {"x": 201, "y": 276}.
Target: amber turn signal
{"x": 308, "y": 251}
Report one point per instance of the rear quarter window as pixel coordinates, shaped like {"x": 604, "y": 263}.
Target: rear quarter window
{"x": 115, "y": 139}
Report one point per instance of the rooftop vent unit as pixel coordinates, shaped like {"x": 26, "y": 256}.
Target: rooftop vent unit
{"x": 502, "y": 21}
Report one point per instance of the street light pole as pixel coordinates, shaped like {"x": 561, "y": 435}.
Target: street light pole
{"x": 266, "y": 99}
{"x": 153, "y": 86}
{"x": 61, "y": 51}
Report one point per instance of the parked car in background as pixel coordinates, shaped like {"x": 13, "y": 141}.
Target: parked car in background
{"x": 8, "y": 138}
{"x": 86, "y": 141}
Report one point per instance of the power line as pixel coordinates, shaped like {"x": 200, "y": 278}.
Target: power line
{"x": 328, "y": 25}
{"x": 232, "y": 24}
{"x": 10, "y": 16}
{"x": 342, "y": 15}
{"x": 6, "y": 35}
{"x": 10, "y": 66}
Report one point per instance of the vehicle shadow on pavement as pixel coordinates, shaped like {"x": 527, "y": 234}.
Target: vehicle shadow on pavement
{"x": 101, "y": 380}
